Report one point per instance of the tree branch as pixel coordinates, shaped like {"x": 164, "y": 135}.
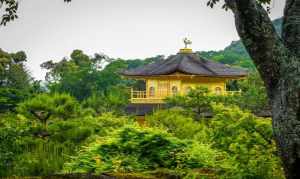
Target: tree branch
{"x": 259, "y": 37}
{"x": 291, "y": 26}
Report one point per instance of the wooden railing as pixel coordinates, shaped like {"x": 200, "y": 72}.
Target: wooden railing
{"x": 138, "y": 94}
{"x": 142, "y": 96}
{"x": 233, "y": 92}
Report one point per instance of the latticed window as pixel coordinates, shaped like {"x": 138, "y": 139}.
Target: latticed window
{"x": 174, "y": 90}
{"x": 151, "y": 91}
{"x": 218, "y": 90}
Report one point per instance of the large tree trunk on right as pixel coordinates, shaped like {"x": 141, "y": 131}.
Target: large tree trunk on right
{"x": 286, "y": 125}
{"x": 285, "y": 98}
{"x": 278, "y": 63}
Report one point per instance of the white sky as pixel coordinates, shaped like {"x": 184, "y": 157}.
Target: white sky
{"x": 51, "y": 29}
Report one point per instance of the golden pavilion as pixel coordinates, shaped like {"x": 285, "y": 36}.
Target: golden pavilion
{"x": 180, "y": 73}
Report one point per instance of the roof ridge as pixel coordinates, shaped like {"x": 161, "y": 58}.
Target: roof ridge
{"x": 204, "y": 66}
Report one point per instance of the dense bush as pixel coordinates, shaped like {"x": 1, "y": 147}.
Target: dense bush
{"x": 135, "y": 149}
{"x": 24, "y": 153}
{"x": 178, "y": 123}
{"x": 248, "y": 140}
{"x": 245, "y": 138}
{"x": 254, "y": 95}
{"x": 114, "y": 100}
{"x": 45, "y": 107}
{"x": 28, "y": 149}
{"x": 9, "y": 144}
{"x": 196, "y": 102}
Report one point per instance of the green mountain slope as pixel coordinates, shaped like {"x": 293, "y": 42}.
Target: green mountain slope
{"x": 235, "y": 54}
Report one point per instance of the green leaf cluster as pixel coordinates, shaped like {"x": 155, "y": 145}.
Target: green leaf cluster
{"x": 245, "y": 139}
{"x": 46, "y": 107}
{"x": 135, "y": 149}
{"x": 15, "y": 80}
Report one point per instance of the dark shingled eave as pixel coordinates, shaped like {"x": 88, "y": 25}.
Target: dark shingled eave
{"x": 148, "y": 109}
{"x": 189, "y": 64}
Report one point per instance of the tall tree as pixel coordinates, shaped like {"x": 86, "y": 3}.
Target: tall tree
{"x": 278, "y": 62}
{"x": 15, "y": 80}
{"x": 76, "y": 76}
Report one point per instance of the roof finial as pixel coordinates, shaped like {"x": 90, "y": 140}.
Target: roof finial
{"x": 186, "y": 42}
{"x": 186, "y": 49}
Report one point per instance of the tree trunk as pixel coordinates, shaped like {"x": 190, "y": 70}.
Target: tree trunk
{"x": 286, "y": 100}
{"x": 278, "y": 63}
{"x": 286, "y": 125}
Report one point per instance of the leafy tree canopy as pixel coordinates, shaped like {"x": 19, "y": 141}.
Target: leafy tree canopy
{"x": 15, "y": 80}
{"x": 45, "y": 107}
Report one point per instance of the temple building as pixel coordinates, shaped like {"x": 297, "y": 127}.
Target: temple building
{"x": 177, "y": 75}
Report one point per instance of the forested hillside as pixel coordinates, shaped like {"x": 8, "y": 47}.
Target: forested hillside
{"x": 235, "y": 54}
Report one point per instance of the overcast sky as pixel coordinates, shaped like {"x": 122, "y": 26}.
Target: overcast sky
{"x": 51, "y": 29}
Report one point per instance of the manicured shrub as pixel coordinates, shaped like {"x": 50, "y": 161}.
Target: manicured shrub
{"x": 45, "y": 107}
{"x": 73, "y": 131}
{"x": 136, "y": 149}
{"x": 178, "y": 123}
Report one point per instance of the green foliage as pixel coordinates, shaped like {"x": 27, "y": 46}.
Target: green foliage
{"x": 114, "y": 100}
{"x": 248, "y": 140}
{"x": 106, "y": 123}
{"x": 9, "y": 144}
{"x": 46, "y": 107}
{"x": 197, "y": 101}
{"x": 15, "y": 81}
{"x": 83, "y": 76}
{"x": 254, "y": 95}
{"x": 231, "y": 56}
{"x": 13, "y": 71}
{"x": 109, "y": 76}
{"x": 76, "y": 76}
{"x": 77, "y": 130}
{"x": 47, "y": 128}
{"x": 233, "y": 144}
{"x": 176, "y": 121}
{"x": 43, "y": 158}
{"x": 73, "y": 131}
{"x": 9, "y": 98}
{"x": 135, "y": 149}
{"x": 28, "y": 149}
{"x": 23, "y": 153}
{"x": 64, "y": 139}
